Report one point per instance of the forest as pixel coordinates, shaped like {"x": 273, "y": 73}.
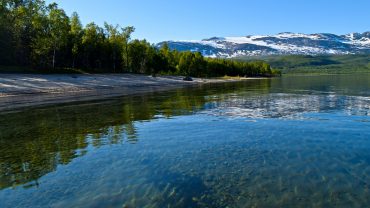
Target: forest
{"x": 42, "y": 38}
{"x": 318, "y": 64}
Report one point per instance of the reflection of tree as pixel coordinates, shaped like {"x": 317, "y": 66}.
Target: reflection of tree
{"x": 131, "y": 133}
{"x": 34, "y": 142}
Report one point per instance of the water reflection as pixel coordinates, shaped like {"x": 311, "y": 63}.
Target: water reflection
{"x": 34, "y": 142}
{"x": 307, "y": 145}
{"x": 293, "y": 106}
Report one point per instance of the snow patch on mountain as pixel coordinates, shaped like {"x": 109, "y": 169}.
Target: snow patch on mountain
{"x": 282, "y": 43}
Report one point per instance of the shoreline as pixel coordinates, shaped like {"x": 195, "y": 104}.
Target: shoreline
{"x": 32, "y": 90}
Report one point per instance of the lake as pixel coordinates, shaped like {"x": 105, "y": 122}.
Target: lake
{"x": 295, "y": 141}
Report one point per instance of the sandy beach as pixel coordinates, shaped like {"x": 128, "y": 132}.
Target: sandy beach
{"x": 24, "y": 90}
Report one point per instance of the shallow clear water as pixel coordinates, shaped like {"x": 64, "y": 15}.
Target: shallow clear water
{"x": 289, "y": 142}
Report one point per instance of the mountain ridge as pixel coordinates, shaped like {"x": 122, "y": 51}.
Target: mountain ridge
{"x": 285, "y": 43}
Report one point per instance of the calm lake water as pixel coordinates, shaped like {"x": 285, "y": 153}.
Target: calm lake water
{"x": 289, "y": 142}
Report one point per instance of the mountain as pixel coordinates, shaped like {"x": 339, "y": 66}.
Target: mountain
{"x": 280, "y": 44}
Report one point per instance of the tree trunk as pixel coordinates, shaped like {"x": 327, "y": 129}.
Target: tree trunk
{"x": 114, "y": 62}
{"x": 127, "y": 56}
{"x": 54, "y": 57}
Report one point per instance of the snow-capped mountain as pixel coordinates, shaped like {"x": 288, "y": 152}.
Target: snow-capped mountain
{"x": 282, "y": 43}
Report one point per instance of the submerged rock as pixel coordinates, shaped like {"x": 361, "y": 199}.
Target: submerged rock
{"x": 187, "y": 78}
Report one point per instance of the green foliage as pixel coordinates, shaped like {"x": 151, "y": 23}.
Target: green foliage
{"x": 137, "y": 55}
{"x": 186, "y": 60}
{"x": 218, "y": 67}
{"x": 157, "y": 62}
{"x": 54, "y": 29}
{"x": 6, "y": 50}
{"x": 332, "y": 64}
{"x": 34, "y": 34}
{"x": 75, "y": 37}
{"x": 126, "y": 37}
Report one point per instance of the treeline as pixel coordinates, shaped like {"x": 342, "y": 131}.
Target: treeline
{"x": 41, "y": 36}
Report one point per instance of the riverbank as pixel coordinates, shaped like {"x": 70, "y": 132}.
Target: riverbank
{"x": 25, "y": 90}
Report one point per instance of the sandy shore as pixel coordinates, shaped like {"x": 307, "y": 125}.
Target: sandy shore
{"x": 23, "y": 90}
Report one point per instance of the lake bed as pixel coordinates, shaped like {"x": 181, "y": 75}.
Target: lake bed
{"x": 295, "y": 141}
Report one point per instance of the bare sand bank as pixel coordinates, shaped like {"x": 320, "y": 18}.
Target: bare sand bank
{"x": 24, "y": 90}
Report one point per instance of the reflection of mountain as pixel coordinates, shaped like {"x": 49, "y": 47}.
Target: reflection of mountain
{"x": 282, "y": 105}
{"x": 34, "y": 142}
{"x": 290, "y": 96}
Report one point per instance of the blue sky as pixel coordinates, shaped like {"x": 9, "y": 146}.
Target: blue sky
{"x": 158, "y": 20}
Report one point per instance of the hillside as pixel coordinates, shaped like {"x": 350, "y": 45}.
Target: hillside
{"x": 279, "y": 44}
{"x": 332, "y": 64}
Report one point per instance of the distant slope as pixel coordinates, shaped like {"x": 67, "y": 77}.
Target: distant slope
{"x": 280, "y": 44}
{"x": 317, "y": 64}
